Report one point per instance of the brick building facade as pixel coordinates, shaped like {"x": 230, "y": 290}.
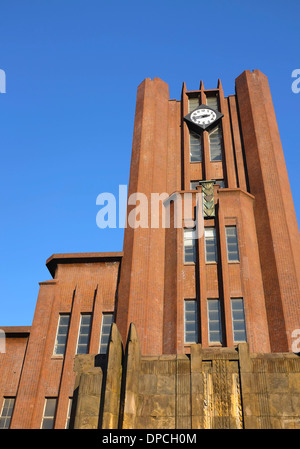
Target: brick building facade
{"x": 236, "y": 285}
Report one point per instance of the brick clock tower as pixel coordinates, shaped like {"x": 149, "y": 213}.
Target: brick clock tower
{"x": 248, "y": 258}
{"x": 176, "y": 331}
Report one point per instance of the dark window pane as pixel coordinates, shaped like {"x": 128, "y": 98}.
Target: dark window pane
{"x": 212, "y": 102}
{"x": 238, "y": 320}
{"x": 190, "y": 321}
{"x": 48, "y": 423}
{"x": 50, "y": 407}
{"x": 107, "y": 320}
{"x": 190, "y": 306}
{"x": 215, "y": 144}
{"x": 86, "y": 320}
{"x": 6, "y": 413}
{"x": 84, "y": 334}
{"x": 64, "y": 320}
{"x": 61, "y": 336}
{"x": 195, "y": 147}
{"x": 214, "y": 321}
{"x": 232, "y": 243}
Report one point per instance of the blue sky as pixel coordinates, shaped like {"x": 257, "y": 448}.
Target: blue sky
{"x": 70, "y": 65}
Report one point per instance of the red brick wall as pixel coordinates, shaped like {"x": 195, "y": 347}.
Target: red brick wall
{"x": 11, "y": 362}
{"x": 277, "y": 229}
{"x": 141, "y": 290}
{"x": 80, "y": 288}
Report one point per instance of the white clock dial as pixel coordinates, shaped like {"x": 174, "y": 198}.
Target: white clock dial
{"x": 203, "y": 116}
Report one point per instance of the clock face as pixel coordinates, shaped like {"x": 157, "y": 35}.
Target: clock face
{"x": 203, "y": 116}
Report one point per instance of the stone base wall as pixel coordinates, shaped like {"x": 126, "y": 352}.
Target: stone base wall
{"x": 217, "y": 388}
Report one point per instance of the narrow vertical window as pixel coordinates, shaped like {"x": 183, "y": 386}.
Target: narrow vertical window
{"x": 49, "y": 413}
{"x": 193, "y": 104}
{"x": 238, "y": 320}
{"x": 62, "y": 334}
{"x": 6, "y": 412}
{"x": 195, "y": 147}
{"x": 189, "y": 246}
{"x": 212, "y": 102}
{"x": 84, "y": 334}
{"x": 190, "y": 321}
{"x": 210, "y": 245}
{"x": 107, "y": 320}
{"x": 232, "y": 244}
{"x": 214, "y": 321}
{"x": 215, "y": 144}
{"x": 69, "y": 414}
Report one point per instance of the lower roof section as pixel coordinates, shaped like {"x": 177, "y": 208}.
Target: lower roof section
{"x": 16, "y": 331}
{"x": 70, "y": 258}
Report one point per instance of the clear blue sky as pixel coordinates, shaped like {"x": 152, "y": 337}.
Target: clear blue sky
{"x": 70, "y": 64}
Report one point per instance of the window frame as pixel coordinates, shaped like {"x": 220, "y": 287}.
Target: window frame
{"x": 196, "y": 332}
{"x": 191, "y": 145}
{"x": 101, "y": 332}
{"x": 49, "y": 417}
{"x": 190, "y": 100}
{"x": 211, "y": 228}
{"x": 209, "y": 321}
{"x": 210, "y": 133}
{"x": 186, "y": 262}
{"x": 235, "y": 243}
{"x": 216, "y": 98}
{"x": 234, "y": 320}
{"x": 56, "y": 344}
{"x": 84, "y": 314}
{"x": 6, "y": 419}
{"x": 68, "y": 419}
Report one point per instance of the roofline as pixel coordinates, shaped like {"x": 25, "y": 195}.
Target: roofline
{"x": 70, "y": 258}
{"x": 17, "y": 331}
